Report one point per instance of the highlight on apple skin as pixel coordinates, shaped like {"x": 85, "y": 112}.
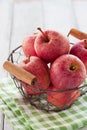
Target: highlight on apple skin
{"x": 51, "y": 44}
{"x": 31, "y": 90}
{"x": 39, "y": 68}
{"x": 67, "y": 72}
{"x": 62, "y": 100}
{"x": 28, "y": 46}
{"x": 79, "y": 49}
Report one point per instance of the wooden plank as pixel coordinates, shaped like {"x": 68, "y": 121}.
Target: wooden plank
{"x": 80, "y": 9}
{"x": 1, "y": 121}
{"x": 28, "y": 16}
{"x": 24, "y": 23}
{"x": 5, "y": 27}
{"x": 58, "y": 15}
{"x": 7, "y": 125}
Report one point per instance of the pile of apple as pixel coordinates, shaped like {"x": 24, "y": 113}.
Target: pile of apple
{"x": 49, "y": 56}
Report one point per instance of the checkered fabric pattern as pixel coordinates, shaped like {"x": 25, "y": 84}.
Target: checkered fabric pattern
{"x": 23, "y": 116}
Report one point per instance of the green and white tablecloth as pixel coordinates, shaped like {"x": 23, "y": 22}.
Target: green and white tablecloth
{"x": 23, "y": 116}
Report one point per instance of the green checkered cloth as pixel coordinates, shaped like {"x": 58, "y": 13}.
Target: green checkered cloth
{"x": 24, "y": 116}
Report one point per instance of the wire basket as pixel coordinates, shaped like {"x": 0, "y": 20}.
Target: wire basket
{"x": 41, "y": 100}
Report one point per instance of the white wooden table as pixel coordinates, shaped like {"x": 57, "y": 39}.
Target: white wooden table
{"x": 19, "y": 18}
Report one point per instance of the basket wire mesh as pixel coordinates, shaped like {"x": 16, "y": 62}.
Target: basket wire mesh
{"x": 40, "y": 100}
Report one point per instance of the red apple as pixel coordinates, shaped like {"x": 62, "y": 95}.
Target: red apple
{"x": 31, "y": 90}
{"x": 51, "y": 44}
{"x": 62, "y": 99}
{"x": 67, "y": 72}
{"x": 38, "y": 68}
{"x": 28, "y": 46}
{"x": 80, "y": 50}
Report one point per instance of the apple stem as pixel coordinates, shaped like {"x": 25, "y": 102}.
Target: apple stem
{"x": 85, "y": 40}
{"x": 27, "y": 60}
{"x": 72, "y": 67}
{"x": 45, "y": 36}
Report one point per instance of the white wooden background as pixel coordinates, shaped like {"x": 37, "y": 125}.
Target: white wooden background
{"x": 19, "y": 18}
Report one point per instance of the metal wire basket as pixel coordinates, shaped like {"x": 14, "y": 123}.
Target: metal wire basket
{"x": 40, "y": 99}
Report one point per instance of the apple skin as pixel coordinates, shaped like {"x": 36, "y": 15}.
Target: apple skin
{"x": 80, "y": 50}
{"x": 50, "y": 49}
{"x": 30, "y": 90}
{"x": 67, "y": 72}
{"x": 62, "y": 99}
{"x": 28, "y": 46}
{"x": 39, "y": 68}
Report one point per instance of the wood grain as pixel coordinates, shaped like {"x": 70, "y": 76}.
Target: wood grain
{"x": 5, "y": 31}
{"x": 27, "y": 17}
{"x": 19, "y": 73}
